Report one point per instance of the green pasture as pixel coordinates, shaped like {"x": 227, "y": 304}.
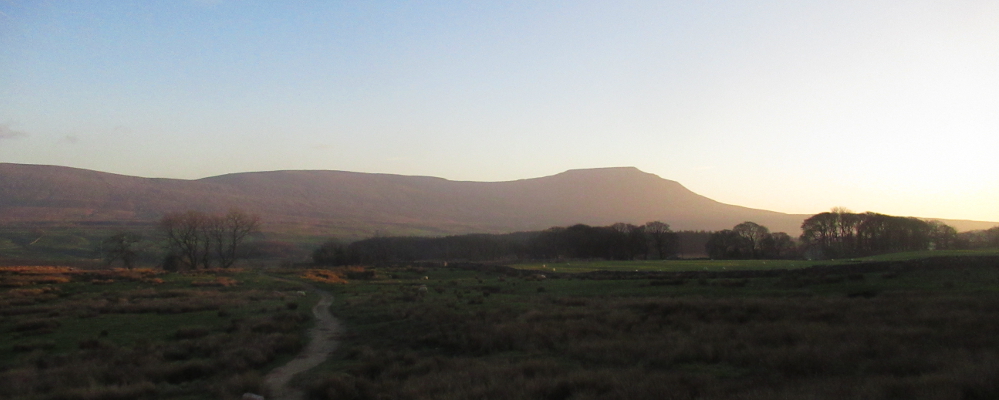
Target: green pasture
{"x": 912, "y": 255}
{"x": 732, "y": 265}
{"x": 667, "y": 265}
{"x": 373, "y": 307}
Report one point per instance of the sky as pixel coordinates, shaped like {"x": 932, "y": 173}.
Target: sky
{"x": 791, "y": 106}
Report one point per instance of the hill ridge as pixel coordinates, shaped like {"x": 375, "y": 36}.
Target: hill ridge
{"x": 359, "y": 204}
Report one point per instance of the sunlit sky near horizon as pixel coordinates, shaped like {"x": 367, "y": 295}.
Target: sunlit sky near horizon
{"x": 887, "y": 106}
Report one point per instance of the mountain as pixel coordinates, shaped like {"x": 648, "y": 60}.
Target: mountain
{"x": 360, "y": 204}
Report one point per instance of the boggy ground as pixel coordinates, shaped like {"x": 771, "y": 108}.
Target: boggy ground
{"x": 922, "y": 329}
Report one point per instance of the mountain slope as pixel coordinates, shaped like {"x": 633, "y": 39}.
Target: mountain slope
{"x": 359, "y": 204}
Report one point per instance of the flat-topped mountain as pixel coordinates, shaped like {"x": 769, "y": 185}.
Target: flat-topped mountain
{"x": 360, "y": 204}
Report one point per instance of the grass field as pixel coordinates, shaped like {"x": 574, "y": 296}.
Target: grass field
{"x": 667, "y": 265}
{"x": 731, "y": 265}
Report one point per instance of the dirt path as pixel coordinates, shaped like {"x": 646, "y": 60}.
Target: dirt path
{"x": 322, "y": 342}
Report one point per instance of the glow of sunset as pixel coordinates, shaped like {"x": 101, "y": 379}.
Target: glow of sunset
{"x": 788, "y": 106}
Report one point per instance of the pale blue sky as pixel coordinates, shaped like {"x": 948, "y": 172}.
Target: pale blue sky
{"x": 888, "y": 106}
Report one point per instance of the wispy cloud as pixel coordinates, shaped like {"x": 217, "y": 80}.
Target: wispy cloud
{"x": 6, "y": 132}
{"x": 71, "y": 139}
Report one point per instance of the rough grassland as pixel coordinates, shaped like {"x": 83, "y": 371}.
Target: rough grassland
{"x": 916, "y": 329}
{"x": 892, "y": 327}
{"x": 76, "y": 334}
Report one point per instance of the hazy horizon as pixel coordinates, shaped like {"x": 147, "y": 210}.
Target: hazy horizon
{"x": 795, "y": 108}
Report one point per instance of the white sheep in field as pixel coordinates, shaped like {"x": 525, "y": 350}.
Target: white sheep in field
{"x": 251, "y": 396}
{"x": 422, "y": 289}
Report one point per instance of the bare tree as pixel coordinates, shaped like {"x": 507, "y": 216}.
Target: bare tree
{"x": 184, "y": 237}
{"x": 198, "y": 240}
{"x": 228, "y": 233}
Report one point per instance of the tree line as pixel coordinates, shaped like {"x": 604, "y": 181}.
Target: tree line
{"x": 750, "y": 240}
{"x": 840, "y": 233}
{"x": 653, "y": 240}
{"x": 835, "y": 234}
{"x": 984, "y": 238}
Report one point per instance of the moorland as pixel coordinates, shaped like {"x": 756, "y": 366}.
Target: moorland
{"x": 913, "y": 325}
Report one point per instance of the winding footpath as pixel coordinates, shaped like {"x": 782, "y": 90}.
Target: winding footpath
{"x": 322, "y": 342}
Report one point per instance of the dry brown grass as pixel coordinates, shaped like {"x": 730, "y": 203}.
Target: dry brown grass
{"x": 325, "y": 276}
{"x": 220, "y": 281}
{"x": 21, "y": 276}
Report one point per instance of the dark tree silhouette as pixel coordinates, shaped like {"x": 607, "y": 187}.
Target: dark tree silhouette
{"x": 728, "y": 244}
{"x": 843, "y": 234}
{"x": 754, "y": 235}
{"x": 664, "y": 240}
{"x": 779, "y": 245}
{"x": 330, "y": 253}
{"x": 121, "y": 247}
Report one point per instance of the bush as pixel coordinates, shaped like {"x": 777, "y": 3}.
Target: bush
{"x": 36, "y": 325}
{"x": 34, "y": 345}
{"x": 193, "y": 332}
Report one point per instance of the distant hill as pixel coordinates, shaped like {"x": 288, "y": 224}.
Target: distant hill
{"x": 360, "y": 204}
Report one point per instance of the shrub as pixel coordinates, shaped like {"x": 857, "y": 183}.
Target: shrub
{"x": 36, "y": 325}
{"x": 192, "y": 332}
{"x": 186, "y": 371}
{"x": 34, "y": 345}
